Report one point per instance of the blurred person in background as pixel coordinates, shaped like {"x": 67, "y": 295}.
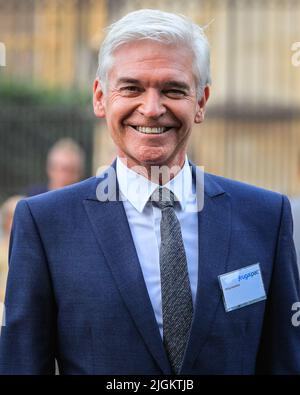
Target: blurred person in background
{"x": 65, "y": 166}
{"x": 6, "y": 213}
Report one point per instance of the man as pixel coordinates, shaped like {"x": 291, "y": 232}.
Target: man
{"x": 126, "y": 273}
{"x": 65, "y": 166}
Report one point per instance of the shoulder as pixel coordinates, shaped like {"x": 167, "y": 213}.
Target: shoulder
{"x": 61, "y": 200}
{"x": 240, "y": 193}
{"x": 243, "y": 192}
{"x": 257, "y": 207}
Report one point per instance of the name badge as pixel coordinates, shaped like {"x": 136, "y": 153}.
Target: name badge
{"x": 242, "y": 287}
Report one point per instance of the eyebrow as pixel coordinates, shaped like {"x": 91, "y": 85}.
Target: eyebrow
{"x": 177, "y": 84}
{"x": 127, "y": 80}
{"x": 167, "y": 84}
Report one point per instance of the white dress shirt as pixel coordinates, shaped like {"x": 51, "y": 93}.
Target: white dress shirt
{"x": 144, "y": 221}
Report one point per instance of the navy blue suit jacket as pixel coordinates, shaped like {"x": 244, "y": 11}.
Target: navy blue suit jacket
{"x": 76, "y": 291}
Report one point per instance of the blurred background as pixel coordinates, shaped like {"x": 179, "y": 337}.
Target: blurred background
{"x": 252, "y": 129}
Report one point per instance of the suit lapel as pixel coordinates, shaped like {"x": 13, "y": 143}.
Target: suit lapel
{"x": 214, "y": 224}
{"x": 110, "y": 225}
{"x": 109, "y": 222}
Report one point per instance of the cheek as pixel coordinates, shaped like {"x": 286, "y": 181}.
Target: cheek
{"x": 184, "y": 111}
{"x": 119, "y": 109}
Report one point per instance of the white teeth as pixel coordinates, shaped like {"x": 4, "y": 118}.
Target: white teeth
{"x": 148, "y": 130}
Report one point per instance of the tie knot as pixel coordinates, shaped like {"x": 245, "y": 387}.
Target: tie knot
{"x": 162, "y": 198}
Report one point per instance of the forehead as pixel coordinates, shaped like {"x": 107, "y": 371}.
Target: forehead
{"x": 146, "y": 59}
{"x": 63, "y": 155}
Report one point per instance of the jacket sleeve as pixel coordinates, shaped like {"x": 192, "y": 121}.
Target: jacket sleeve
{"x": 27, "y": 341}
{"x": 279, "y": 351}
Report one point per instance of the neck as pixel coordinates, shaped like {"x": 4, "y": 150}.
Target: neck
{"x": 159, "y": 174}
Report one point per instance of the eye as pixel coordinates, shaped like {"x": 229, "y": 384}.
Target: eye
{"x": 130, "y": 90}
{"x": 174, "y": 93}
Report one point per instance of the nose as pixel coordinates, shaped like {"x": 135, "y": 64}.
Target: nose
{"x": 151, "y": 105}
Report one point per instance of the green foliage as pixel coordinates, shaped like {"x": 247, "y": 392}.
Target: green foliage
{"x": 25, "y": 93}
{"x": 32, "y": 119}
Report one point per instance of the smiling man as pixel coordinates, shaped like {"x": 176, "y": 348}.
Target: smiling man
{"x": 152, "y": 267}
{"x": 151, "y": 102}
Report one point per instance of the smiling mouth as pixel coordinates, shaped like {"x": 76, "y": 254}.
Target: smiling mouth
{"x": 151, "y": 130}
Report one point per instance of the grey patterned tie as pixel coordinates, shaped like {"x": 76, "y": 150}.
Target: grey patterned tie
{"x": 177, "y": 305}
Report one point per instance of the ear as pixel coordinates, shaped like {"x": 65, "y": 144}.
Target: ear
{"x": 199, "y": 117}
{"x": 98, "y": 99}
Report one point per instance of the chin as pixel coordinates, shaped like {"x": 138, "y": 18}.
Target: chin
{"x": 154, "y": 161}
{"x": 153, "y": 157}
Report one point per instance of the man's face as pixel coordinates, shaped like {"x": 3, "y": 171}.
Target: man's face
{"x": 64, "y": 168}
{"x": 150, "y": 104}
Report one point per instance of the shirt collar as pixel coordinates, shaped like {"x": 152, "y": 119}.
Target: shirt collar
{"x": 137, "y": 189}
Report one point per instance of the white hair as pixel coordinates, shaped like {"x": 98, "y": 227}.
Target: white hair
{"x": 164, "y": 27}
